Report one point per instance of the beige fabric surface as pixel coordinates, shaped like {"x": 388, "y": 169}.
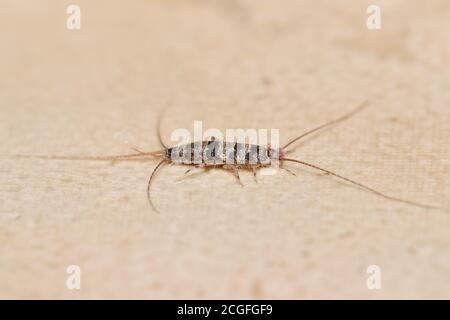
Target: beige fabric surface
{"x": 290, "y": 65}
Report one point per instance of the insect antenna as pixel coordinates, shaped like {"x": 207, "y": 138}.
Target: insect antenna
{"x": 158, "y": 166}
{"x": 158, "y": 130}
{"x": 348, "y": 115}
{"x": 361, "y": 185}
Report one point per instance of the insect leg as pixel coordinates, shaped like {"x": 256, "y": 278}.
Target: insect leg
{"x": 235, "y": 169}
{"x": 236, "y": 173}
{"x": 195, "y": 168}
{"x": 254, "y": 168}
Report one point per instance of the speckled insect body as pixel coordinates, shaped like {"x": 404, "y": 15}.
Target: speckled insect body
{"x": 219, "y": 153}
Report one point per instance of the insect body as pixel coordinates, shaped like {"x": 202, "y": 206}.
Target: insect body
{"x": 228, "y": 155}
{"x": 231, "y": 156}
{"x": 214, "y": 153}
